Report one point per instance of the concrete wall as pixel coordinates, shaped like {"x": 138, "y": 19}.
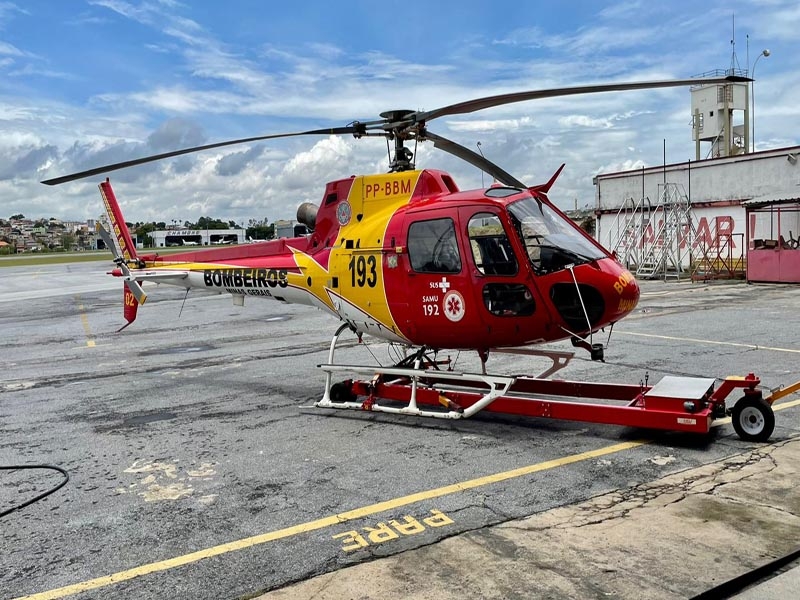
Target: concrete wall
{"x": 712, "y": 224}
{"x": 734, "y": 178}
{"x": 715, "y": 188}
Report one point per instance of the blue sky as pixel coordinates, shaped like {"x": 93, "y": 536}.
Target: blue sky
{"x": 89, "y": 82}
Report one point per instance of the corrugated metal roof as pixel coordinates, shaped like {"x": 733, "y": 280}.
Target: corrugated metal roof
{"x": 786, "y": 197}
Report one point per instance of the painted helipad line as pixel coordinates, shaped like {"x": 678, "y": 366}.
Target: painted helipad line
{"x": 338, "y": 519}
{"x": 714, "y": 342}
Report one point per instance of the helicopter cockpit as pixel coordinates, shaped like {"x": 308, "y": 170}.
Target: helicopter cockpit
{"x": 551, "y": 243}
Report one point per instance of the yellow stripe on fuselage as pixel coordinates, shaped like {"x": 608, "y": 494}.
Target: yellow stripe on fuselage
{"x": 313, "y": 277}
{"x": 358, "y": 257}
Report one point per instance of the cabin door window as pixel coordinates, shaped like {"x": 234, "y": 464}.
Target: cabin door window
{"x": 494, "y": 259}
{"x": 433, "y": 248}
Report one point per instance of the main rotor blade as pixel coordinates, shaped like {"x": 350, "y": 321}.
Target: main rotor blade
{"x": 357, "y": 128}
{"x": 475, "y": 159}
{"x": 490, "y": 101}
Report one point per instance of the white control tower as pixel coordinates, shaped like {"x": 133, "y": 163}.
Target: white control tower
{"x": 721, "y": 116}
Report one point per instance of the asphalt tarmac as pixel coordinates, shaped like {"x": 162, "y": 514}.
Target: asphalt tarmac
{"x": 198, "y": 472}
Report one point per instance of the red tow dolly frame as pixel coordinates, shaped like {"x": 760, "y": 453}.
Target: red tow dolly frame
{"x": 686, "y": 404}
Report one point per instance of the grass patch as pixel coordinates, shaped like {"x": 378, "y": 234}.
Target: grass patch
{"x": 59, "y": 258}
{"x": 18, "y": 260}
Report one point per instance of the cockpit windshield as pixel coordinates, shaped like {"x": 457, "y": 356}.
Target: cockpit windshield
{"x": 551, "y": 243}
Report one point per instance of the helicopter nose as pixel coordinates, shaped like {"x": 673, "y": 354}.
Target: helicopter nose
{"x": 626, "y": 291}
{"x": 606, "y": 293}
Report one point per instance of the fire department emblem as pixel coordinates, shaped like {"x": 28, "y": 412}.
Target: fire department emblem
{"x": 343, "y": 213}
{"x": 454, "y": 306}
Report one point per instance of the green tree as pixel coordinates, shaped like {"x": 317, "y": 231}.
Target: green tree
{"x": 588, "y": 225}
{"x": 207, "y": 223}
{"x": 260, "y": 230}
{"x": 67, "y": 240}
{"x": 143, "y": 231}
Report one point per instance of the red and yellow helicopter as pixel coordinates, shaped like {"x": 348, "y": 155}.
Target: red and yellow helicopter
{"x": 410, "y": 258}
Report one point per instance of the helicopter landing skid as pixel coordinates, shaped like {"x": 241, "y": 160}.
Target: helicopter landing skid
{"x": 419, "y": 388}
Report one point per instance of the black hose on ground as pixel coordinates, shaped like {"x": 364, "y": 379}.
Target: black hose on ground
{"x": 40, "y": 496}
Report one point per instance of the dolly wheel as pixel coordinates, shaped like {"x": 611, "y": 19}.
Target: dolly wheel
{"x": 342, "y": 392}
{"x": 753, "y": 419}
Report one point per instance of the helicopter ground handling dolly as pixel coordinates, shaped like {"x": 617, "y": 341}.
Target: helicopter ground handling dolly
{"x": 418, "y": 386}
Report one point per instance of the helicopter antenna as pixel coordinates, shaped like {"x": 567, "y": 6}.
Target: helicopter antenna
{"x": 479, "y": 150}
{"x": 734, "y": 59}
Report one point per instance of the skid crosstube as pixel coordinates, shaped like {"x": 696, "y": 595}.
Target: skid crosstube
{"x": 687, "y": 404}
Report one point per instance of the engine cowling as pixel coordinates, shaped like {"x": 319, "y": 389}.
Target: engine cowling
{"x": 307, "y": 215}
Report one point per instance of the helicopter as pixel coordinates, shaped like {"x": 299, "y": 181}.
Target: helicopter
{"x": 411, "y": 259}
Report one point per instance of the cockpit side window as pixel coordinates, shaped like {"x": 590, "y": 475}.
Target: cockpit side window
{"x": 432, "y": 247}
{"x": 491, "y": 248}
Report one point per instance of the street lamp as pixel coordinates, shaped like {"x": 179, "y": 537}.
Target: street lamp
{"x": 764, "y": 52}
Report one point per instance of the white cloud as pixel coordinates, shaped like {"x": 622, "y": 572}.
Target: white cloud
{"x": 585, "y": 121}
{"x": 225, "y": 83}
{"x": 36, "y": 71}
{"x": 142, "y": 14}
{"x": 320, "y": 163}
{"x": 8, "y": 10}
{"x": 487, "y": 125}
{"x": 7, "y": 49}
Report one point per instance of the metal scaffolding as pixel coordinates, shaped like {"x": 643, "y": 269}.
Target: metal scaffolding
{"x": 655, "y": 240}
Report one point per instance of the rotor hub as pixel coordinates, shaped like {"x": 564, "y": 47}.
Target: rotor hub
{"x": 393, "y": 116}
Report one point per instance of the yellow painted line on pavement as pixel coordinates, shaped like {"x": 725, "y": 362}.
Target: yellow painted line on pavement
{"x": 85, "y": 321}
{"x": 783, "y": 405}
{"x": 716, "y": 343}
{"x": 351, "y": 515}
